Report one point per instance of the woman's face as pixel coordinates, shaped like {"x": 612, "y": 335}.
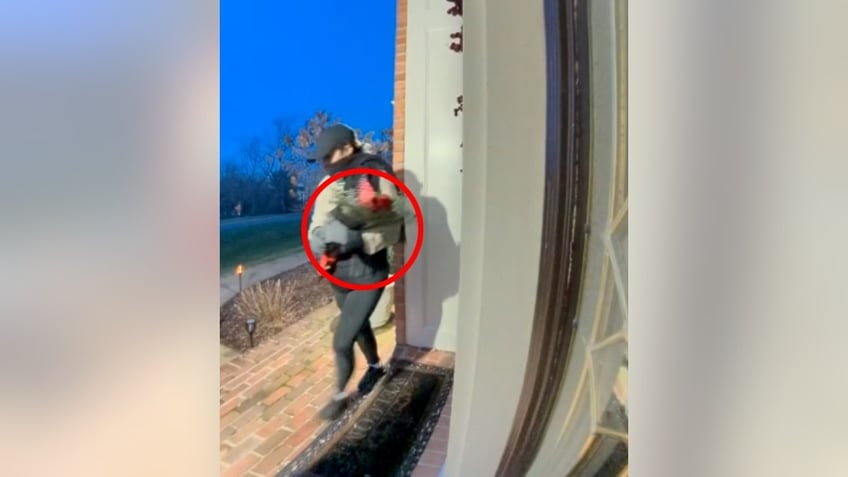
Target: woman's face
{"x": 339, "y": 155}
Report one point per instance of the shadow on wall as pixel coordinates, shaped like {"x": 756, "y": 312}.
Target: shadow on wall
{"x": 439, "y": 258}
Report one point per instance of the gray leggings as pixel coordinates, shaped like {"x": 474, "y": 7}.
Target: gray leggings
{"x": 354, "y": 327}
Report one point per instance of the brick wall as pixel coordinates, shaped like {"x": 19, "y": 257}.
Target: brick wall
{"x": 397, "y": 155}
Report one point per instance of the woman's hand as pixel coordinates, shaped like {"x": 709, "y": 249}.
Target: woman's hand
{"x": 334, "y": 238}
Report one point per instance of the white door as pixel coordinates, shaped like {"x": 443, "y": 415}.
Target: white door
{"x": 432, "y": 170}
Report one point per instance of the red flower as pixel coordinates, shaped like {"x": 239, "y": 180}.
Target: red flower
{"x": 366, "y": 192}
{"x": 368, "y": 197}
{"x": 383, "y": 202}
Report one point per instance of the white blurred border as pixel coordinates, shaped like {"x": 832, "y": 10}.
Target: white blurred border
{"x": 109, "y": 290}
{"x": 739, "y": 311}
{"x": 109, "y": 300}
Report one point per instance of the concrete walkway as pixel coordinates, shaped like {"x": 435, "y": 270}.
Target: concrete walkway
{"x": 257, "y": 273}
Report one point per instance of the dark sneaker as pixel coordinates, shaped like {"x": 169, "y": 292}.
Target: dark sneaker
{"x": 333, "y": 409}
{"x": 371, "y": 378}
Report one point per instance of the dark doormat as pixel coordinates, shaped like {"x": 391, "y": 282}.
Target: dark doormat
{"x": 384, "y": 434}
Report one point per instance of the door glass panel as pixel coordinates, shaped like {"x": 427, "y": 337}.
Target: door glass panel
{"x": 611, "y": 317}
{"x": 614, "y": 415}
{"x": 606, "y": 362}
{"x": 619, "y": 247}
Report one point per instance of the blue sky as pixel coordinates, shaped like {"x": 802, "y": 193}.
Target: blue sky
{"x": 286, "y": 59}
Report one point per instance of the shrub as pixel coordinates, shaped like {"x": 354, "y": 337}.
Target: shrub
{"x": 269, "y": 302}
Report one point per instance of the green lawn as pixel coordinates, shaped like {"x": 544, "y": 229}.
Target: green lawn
{"x": 254, "y": 243}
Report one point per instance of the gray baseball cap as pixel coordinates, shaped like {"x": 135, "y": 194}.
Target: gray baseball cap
{"x": 331, "y": 138}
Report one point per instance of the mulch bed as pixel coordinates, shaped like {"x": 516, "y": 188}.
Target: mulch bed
{"x": 313, "y": 293}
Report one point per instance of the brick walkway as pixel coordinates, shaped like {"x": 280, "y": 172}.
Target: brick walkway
{"x": 271, "y": 395}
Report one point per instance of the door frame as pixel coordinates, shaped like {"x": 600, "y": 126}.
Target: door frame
{"x": 564, "y": 230}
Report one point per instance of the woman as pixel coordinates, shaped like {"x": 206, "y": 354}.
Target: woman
{"x": 360, "y": 258}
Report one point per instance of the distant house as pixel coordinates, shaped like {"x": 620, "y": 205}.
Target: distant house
{"x": 540, "y": 337}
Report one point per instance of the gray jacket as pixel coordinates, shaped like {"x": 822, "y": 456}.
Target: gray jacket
{"x": 371, "y": 255}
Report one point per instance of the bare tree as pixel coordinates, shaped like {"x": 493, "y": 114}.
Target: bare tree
{"x": 302, "y": 145}
{"x": 251, "y": 157}
{"x": 233, "y": 188}
{"x": 274, "y": 175}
